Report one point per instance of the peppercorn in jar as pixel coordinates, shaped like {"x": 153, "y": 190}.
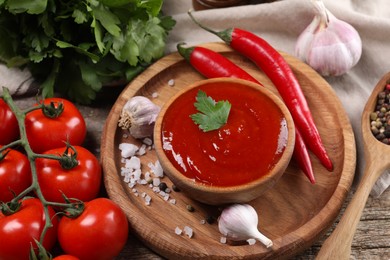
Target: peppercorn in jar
{"x": 380, "y": 118}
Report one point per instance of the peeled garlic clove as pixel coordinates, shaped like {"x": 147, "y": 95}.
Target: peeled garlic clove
{"x": 329, "y": 45}
{"x": 238, "y": 222}
{"x": 138, "y": 116}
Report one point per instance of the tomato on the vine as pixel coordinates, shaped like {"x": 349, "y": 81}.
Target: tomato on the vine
{"x": 15, "y": 174}
{"x": 79, "y": 182}
{"x": 18, "y": 230}
{"x": 45, "y": 133}
{"x": 9, "y": 127}
{"x": 99, "y": 233}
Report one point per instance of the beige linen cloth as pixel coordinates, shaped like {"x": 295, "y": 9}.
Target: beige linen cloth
{"x": 281, "y": 22}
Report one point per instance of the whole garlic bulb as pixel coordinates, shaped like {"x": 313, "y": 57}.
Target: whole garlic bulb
{"x": 239, "y": 222}
{"x": 329, "y": 45}
{"x": 138, "y": 116}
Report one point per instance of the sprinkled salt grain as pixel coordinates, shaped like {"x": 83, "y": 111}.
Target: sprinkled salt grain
{"x": 156, "y": 169}
{"x": 156, "y": 181}
{"x": 131, "y": 185}
{"x": 134, "y": 190}
{"x": 127, "y": 149}
{"x": 178, "y": 231}
{"x": 172, "y": 201}
{"x": 137, "y": 174}
{"x": 156, "y": 189}
{"x": 142, "y": 150}
{"x": 203, "y": 221}
{"x": 154, "y": 95}
{"x": 143, "y": 195}
{"x": 166, "y": 197}
{"x": 223, "y": 240}
{"x": 148, "y": 199}
{"x": 251, "y": 241}
{"x": 171, "y": 82}
{"x": 133, "y": 163}
{"x": 147, "y": 141}
{"x": 188, "y": 231}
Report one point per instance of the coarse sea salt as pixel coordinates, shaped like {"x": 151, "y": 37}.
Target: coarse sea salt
{"x": 133, "y": 163}
{"x": 188, "y": 231}
{"x": 147, "y": 141}
{"x": 251, "y": 241}
{"x": 157, "y": 169}
{"x": 133, "y": 175}
{"x": 128, "y": 149}
{"x": 171, "y": 82}
{"x": 178, "y": 231}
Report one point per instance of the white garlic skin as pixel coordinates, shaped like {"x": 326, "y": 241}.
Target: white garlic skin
{"x": 138, "y": 116}
{"x": 239, "y": 222}
{"x": 329, "y": 45}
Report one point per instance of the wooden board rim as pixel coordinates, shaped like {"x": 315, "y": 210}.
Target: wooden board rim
{"x": 304, "y": 237}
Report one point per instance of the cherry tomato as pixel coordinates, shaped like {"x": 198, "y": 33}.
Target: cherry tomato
{"x": 66, "y": 257}
{"x": 81, "y": 182}
{"x": 18, "y": 230}
{"x": 15, "y": 174}
{"x": 9, "y": 127}
{"x": 45, "y": 133}
{"x": 99, "y": 233}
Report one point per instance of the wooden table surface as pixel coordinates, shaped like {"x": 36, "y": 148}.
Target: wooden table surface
{"x": 372, "y": 238}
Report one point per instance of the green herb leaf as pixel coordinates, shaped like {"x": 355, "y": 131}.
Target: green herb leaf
{"x": 93, "y": 43}
{"x": 213, "y": 115}
{"x": 31, "y": 7}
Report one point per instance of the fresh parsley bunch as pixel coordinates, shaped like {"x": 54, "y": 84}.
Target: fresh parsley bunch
{"x": 77, "y": 46}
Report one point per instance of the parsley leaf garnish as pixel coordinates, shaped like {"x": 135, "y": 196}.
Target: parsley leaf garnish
{"x": 213, "y": 115}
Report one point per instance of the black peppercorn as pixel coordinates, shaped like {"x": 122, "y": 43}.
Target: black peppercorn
{"x": 380, "y": 118}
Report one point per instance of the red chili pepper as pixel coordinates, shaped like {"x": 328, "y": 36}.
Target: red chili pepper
{"x": 212, "y": 64}
{"x": 277, "y": 69}
{"x": 302, "y": 156}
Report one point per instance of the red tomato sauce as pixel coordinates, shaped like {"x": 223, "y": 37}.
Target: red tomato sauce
{"x": 247, "y": 147}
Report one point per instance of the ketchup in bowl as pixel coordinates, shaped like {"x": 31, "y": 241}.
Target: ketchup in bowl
{"x": 246, "y": 148}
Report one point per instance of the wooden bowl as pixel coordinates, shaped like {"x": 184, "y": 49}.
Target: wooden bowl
{"x": 216, "y": 194}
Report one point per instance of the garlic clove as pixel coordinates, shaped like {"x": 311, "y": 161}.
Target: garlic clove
{"x": 239, "y": 222}
{"x": 329, "y": 45}
{"x": 138, "y": 116}
{"x": 305, "y": 38}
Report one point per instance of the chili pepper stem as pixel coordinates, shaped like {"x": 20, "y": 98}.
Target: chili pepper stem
{"x": 185, "y": 52}
{"x": 225, "y": 35}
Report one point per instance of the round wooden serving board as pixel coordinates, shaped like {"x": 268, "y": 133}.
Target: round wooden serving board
{"x": 294, "y": 214}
